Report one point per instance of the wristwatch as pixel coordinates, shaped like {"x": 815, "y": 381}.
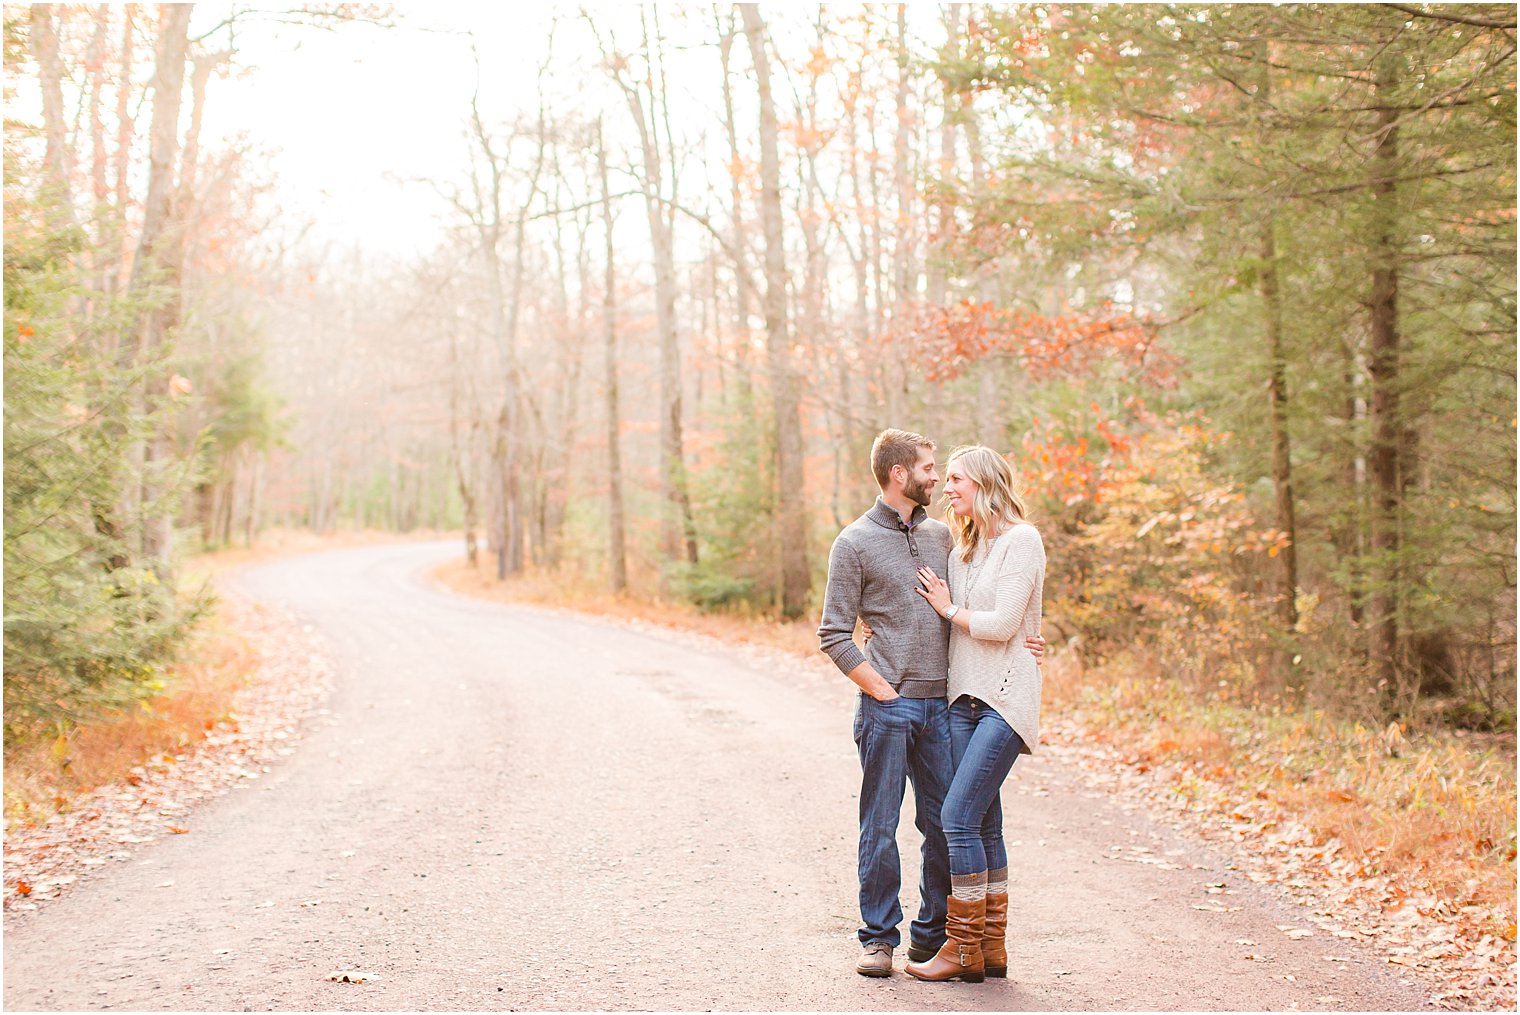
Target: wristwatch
{"x": 951, "y": 611}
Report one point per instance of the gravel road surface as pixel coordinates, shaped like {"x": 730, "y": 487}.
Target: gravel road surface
{"x": 510, "y": 807}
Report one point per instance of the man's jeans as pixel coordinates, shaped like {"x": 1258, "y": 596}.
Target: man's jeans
{"x": 906, "y": 738}
{"x": 984, "y": 748}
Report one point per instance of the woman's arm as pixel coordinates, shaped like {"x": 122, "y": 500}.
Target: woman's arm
{"x": 1018, "y": 573}
{"x": 1017, "y": 577}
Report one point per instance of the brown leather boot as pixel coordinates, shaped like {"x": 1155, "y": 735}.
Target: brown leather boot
{"x": 961, "y": 956}
{"x": 994, "y": 945}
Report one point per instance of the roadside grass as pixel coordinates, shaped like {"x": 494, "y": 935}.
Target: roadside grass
{"x": 550, "y": 588}
{"x": 46, "y": 772}
{"x": 1430, "y": 806}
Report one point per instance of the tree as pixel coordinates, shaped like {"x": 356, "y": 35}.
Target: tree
{"x": 785, "y": 412}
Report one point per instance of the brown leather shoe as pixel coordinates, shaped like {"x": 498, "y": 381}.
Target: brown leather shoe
{"x": 875, "y": 959}
{"x": 961, "y": 956}
{"x": 994, "y": 937}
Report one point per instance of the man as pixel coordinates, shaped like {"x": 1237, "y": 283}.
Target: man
{"x": 902, "y": 721}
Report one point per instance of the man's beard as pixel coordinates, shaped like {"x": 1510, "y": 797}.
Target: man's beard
{"x": 917, "y": 492}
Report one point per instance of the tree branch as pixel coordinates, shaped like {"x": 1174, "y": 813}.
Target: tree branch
{"x": 1455, "y": 18}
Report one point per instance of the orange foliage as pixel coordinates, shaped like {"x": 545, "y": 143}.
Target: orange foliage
{"x": 946, "y": 339}
{"x": 1153, "y": 548}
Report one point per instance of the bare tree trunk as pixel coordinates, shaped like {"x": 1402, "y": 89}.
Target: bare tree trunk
{"x": 787, "y": 417}
{"x": 944, "y": 218}
{"x": 736, "y": 214}
{"x": 159, "y": 262}
{"x": 456, "y": 446}
{"x": 100, "y": 191}
{"x": 125, "y": 127}
{"x": 1353, "y": 543}
{"x": 903, "y": 289}
{"x": 1384, "y": 367}
{"x": 617, "y": 555}
{"x": 1277, "y": 392}
{"x": 57, "y": 160}
{"x": 674, "y": 495}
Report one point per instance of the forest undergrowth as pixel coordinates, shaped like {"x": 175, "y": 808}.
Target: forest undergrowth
{"x": 46, "y": 772}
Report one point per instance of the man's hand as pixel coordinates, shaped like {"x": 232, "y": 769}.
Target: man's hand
{"x": 868, "y": 680}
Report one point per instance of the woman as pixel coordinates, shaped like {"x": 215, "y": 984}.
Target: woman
{"x": 997, "y": 575}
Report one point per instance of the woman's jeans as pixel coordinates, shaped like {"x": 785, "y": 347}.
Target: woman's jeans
{"x": 983, "y": 748}
{"x": 901, "y": 740}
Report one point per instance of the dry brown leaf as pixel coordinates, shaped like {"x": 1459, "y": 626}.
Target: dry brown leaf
{"x": 342, "y": 976}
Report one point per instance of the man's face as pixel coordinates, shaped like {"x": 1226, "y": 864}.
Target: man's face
{"x": 919, "y": 483}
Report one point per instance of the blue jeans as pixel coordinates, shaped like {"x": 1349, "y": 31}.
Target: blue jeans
{"x": 983, "y": 748}
{"x": 900, "y": 740}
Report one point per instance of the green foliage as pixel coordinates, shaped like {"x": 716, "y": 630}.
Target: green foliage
{"x": 1168, "y": 140}
{"x": 86, "y": 627}
{"x": 736, "y": 516}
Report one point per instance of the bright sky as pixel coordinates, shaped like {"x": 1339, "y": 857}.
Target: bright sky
{"x": 344, "y": 113}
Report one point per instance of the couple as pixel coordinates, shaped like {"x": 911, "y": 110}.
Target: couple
{"x": 950, "y": 694}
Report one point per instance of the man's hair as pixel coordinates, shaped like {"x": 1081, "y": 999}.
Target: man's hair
{"x": 896, "y": 447}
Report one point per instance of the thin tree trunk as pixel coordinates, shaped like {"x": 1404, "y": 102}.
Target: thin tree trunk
{"x": 159, "y": 262}
{"x": 674, "y": 496}
{"x": 944, "y": 219}
{"x": 1277, "y": 395}
{"x": 100, "y": 189}
{"x": 617, "y": 556}
{"x": 1384, "y": 367}
{"x": 787, "y": 417}
{"x": 125, "y": 127}
{"x": 904, "y": 291}
{"x": 736, "y": 214}
{"x": 57, "y": 159}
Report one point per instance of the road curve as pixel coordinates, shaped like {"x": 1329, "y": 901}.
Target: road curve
{"x": 510, "y": 807}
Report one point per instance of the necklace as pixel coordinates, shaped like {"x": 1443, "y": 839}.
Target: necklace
{"x": 973, "y": 571}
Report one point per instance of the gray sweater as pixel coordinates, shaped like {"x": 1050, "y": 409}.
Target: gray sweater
{"x": 872, "y": 574}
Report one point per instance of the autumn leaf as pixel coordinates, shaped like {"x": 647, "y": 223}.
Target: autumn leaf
{"x": 343, "y": 976}
{"x": 23, "y": 888}
{"x": 178, "y": 830}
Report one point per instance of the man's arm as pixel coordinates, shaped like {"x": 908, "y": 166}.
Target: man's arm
{"x": 836, "y": 631}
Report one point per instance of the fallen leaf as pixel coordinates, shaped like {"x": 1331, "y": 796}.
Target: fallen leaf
{"x": 178, "y": 830}
{"x": 347, "y": 977}
{"x": 22, "y": 888}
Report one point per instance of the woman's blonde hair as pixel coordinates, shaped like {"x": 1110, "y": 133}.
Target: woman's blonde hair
{"x": 996, "y": 504}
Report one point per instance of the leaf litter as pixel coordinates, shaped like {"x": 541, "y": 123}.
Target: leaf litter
{"x": 290, "y": 684}
{"x": 1451, "y": 947}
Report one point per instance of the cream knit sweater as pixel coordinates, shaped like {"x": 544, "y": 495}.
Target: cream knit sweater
{"x": 1001, "y": 586}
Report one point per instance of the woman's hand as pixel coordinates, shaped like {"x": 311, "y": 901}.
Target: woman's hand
{"x": 865, "y": 629}
{"x": 1036, "y": 646}
{"x": 934, "y": 590}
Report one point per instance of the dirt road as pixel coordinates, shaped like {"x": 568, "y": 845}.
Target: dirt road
{"x": 513, "y": 808}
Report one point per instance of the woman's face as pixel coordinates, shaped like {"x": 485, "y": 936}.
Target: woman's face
{"x": 960, "y": 490}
